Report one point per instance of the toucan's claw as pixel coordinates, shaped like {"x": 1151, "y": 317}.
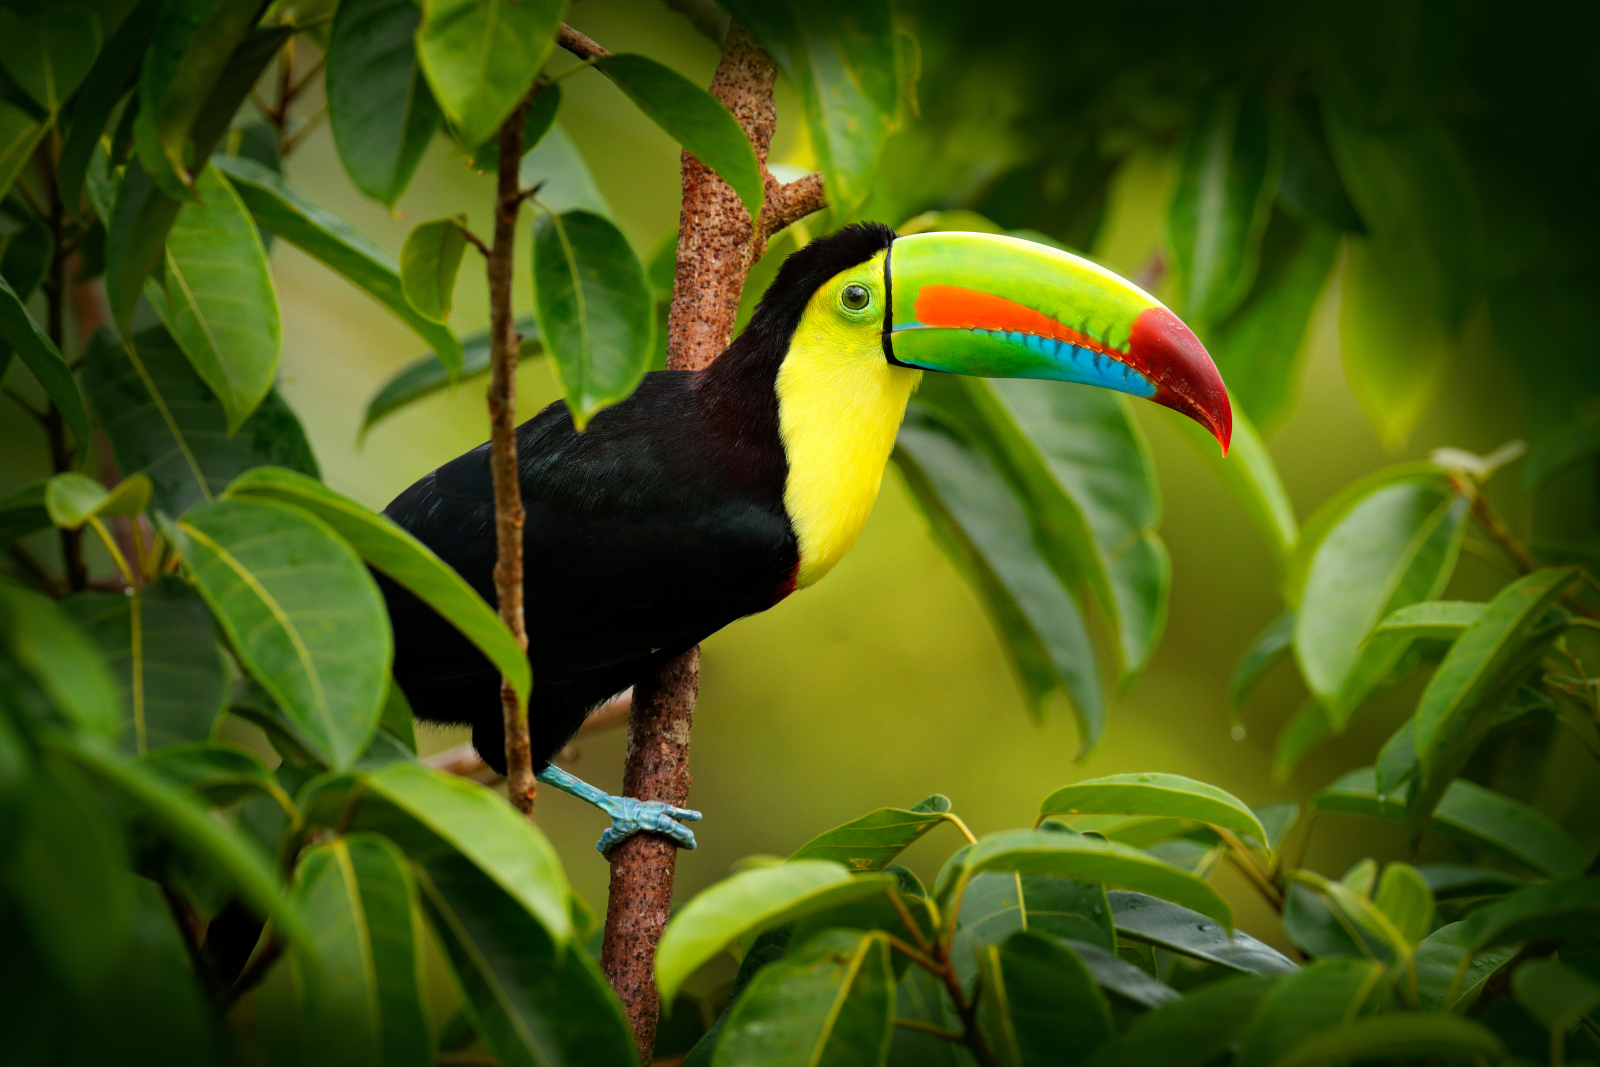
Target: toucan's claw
{"x": 628, "y": 816}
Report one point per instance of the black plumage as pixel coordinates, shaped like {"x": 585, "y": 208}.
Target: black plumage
{"x": 659, "y": 524}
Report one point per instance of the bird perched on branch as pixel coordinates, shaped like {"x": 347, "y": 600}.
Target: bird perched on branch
{"x": 710, "y": 495}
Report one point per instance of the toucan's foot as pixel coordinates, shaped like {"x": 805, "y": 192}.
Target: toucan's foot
{"x": 628, "y": 816}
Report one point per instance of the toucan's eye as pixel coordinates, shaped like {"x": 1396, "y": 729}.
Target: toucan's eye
{"x": 855, "y": 297}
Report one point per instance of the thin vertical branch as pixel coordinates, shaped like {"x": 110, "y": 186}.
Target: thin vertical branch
{"x": 508, "y": 512}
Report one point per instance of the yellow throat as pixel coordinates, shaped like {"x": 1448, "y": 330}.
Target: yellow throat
{"x": 840, "y": 403}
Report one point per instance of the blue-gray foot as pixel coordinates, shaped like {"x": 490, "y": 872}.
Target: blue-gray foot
{"x": 628, "y": 816}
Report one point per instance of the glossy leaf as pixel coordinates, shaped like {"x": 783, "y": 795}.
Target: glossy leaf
{"x": 286, "y": 213}
{"x": 1167, "y": 795}
{"x": 828, "y": 1004}
{"x": 1116, "y": 975}
{"x": 402, "y": 557}
{"x": 1565, "y": 908}
{"x": 1406, "y": 899}
{"x": 380, "y": 109}
{"x": 738, "y": 908}
{"x": 1188, "y": 933}
{"x": 363, "y": 982}
{"x": 45, "y": 362}
{"x": 300, "y": 612}
{"x": 1249, "y": 472}
{"x": 694, "y": 118}
{"x": 1437, "y": 959}
{"x": 1560, "y": 449}
{"x": 220, "y": 773}
{"x": 1324, "y": 995}
{"x": 1089, "y": 859}
{"x": 163, "y": 420}
{"x": 20, "y": 134}
{"x": 136, "y": 236}
{"x": 425, "y": 375}
{"x": 1188, "y": 1032}
{"x": 1271, "y": 645}
{"x": 871, "y": 842}
{"x": 596, "y": 315}
{"x": 1399, "y": 1036}
{"x": 161, "y": 645}
{"x": 1039, "y": 1004}
{"x": 1439, "y": 619}
{"x": 997, "y": 904}
{"x": 480, "y": 57}
{"x": 1228, "y": 171}
{"x": 429, "y": 263}
{"x": 48, "y": 54}
{"x": 1557, "y": 995}
{"x": 41, "y": 639}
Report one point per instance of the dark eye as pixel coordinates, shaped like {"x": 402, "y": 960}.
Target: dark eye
{"x": 855, "y": 297}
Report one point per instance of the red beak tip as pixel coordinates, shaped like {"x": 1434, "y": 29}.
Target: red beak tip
{"x": 1186, "y": 377}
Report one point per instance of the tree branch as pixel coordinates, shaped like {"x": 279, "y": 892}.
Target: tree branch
{"x": 788, "y": 204}
{"x": 578, "y": 44}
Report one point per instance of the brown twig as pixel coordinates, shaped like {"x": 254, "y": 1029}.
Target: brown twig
{"x": 578, "y": 44}
{"x": 788, "y": 204}
{"x": 508, "y": 512}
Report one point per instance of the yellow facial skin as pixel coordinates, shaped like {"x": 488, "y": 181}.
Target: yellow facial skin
{"x": 840, "y": 403}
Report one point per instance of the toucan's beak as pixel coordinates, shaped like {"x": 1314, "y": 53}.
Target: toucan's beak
{"x": 1001, "y": 307}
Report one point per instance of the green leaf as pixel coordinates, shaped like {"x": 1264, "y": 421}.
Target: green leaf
{"x": 41, "y": 639}
{"x": 557, "y": 167}
{"x": 161, "y": 644}
{"x": 402, "y": 557}
{"x": 999, "y": 903}
{"x": 1039, "y": 1004}
{"x": 72, "y": 499}
{"x": 28, "y": 255}
{"x": 1556, "y": 995}
{"x": 1189, "y": 1032}
{"x": 300, "y": 612}
{"x": 188, "y": 58}
{"x": 1437, "y": 959}
{"x": 1324, "y": 995}
{"x": 286, "y": 213}
{"x": 828, "y": 1004}
{"x": 1248, "y": 470}
{"x": 694, "y": 118}
{"x": 1155, "y": 922}
{"x": 1406, "y": 899}
{"x": 221, "y": 774}
{"x": 1270, "y": 646}
{"x": 44, "y": 360}
{"x": 22, "y": 512}
{"x": 217, "y": 299}
{"x": 115, "y": 71}
{"x": 380, "y": 109}
{"x": 533, "y": 1002}
{"x": 738, "y": 908}
{"x": 164, "y": 421}
{"x": 1394, "y": 546}
{"x": 425, "y": 375}
{"x": 1228, "y": 172}
{"x": 364, "y": 985}
{"x": 985, "y": 530}
{"x": 1565, "y": 908}
{"x": 136, "y": 237}
{"x": 429, "y": 263}
{"x": 1116, "y": 975}
{"x": 1559, "y": 449}
{"x": 481, "y": 57}
{"x": 596, "y": 315}
{"x": 20, "y": 134}
{"x": 1400, "y": 1036}
{"x": 1438, "y": 619}
{"x": 1168, "y": 795}
{"x": 49, "y": 53}
{"x": 1089, "y": 859}
{"x": 871, "y": 842}
{"x": 541, "y": 117}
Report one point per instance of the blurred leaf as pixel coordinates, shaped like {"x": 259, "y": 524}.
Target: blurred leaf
{"x": 217, "y": 299}
{"x": 49, "y": 52}
{"x": 283, "y": 211}
{"x": 1090, "y": 859}
{"x": 45, "y": 362}
{"x": 596, "y": 315}
{"x": 1116, "y": 975}
{"x": 751, "y": 901}
{"x": 1450, "y": 881}
{"x": 1562, "y": 447}
{"x": 1565, "y": 908}
{"x": 1188, "y": 933}
{"x": 828, "y": 1004}
{"x": 1556, "y": 995}
{"x": 20, "y": 134}
{"x": 1438, "y": 957}
{"x": 40, "y": 638}
{"x": 920, "y": 997}
{"x": 402, "y": 557}
{"x": 161, "y": 644}
{"x": 694, "y": 118}
{"x": 425, "y": 375}
{"x": 661, "y": 270}
{"x": 164, "y": 421}
{"x": 380, "y": 109}
{"x": 871, "y": 842}
{"x": 1189, "y": 1032}
{"x": 557, "y": 167}
{"x": 364, "y": 986}
{"x": 1406, "y": 899}
{"x": 1314, "y": 929}
{"x": 1228, "y": 171}
{"x": 115, "y": 71}
{"x": 429, "y": 263}
{"x": 1271, "y": 645}
{"x": 1169, "y": 795}
{"x": 541, "y": 116}
{"x": 480, "y": 57}
{"x": 72, "y": 499}
{"x": 958, "y": 219}
{"x": 1441, "y": 619}
{"x": 136, "y": 237}
{"x": 221, "y": 774}
{"x": 999, "y": 903}
{"x": 22, "y": 512}
{"x": 300, "y": 612}
{"x": 1321, "y": 996}
{"x": 1399, "y": 1036}
{"x": 985, "y": 531}
{"x": 1039, "y": 1005}
{"x": 1306, "y": 729}
{"x": 1248, "y": 470}
{"x": 28, "y": 255}
{"x": 1311, "y": 187}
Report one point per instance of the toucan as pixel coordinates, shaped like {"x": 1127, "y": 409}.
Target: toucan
{"x": 710, "y": 495}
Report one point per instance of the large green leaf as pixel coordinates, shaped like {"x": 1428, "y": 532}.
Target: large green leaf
{"x": 1090, "y": 859}
{"x": 1273, "y": 643}
{"x": 481, "y": 56}
{"x": 1040, "y": 1005}
{"x": 115, "y": 71}
{"x": 1557, "y": 995}
{"x": 1144, "y": 918}
{"x": 1561, "y": 448}
{"x": 541, "y": 117}
{"x": 164, "y": 421}
{"x": 694, "y": 118}
{"x": 1400, "y": 1036}
{"x": 871, "y": 842}
{"x": 44, "y": 360}
{"x": 161, "y": 644}
{"x": 399, "y": 555}
{"x": 136, "y": 236}
{"x": 751, "y": 901}
{"x": 289, "y": 215}
{"x": 1116, "y": 975}
{"x": 1249, "y": 472}
{"x": 194, "y": 41}
{"x": 72, "y": 499}
{"x": 429, "y": 263}
{"x": 1325, "y": 995}
{"x": 1437, "y": 959}
{"x": 1228, "y": 172}
{"x": 48, "y": 54}
{"x": 1189, "y": 1032}
{"x": 20, "y": 134}
{"x": 380, "y": 108}
{"x": 828, "y": 1004}
{"x": 217, "y": 298}
{"x": 41, "y": 640}
{"x": 220, "y": 773}
{"x": 300, "y": 612}
{"x": 364, "y": 982}
{"x": 997, "y": 904}
{"x": 425, "y": 375}
{"x": 1566, "y": 908}
{"x": 596, "y": 315}
{"x": 1167, "y": 795}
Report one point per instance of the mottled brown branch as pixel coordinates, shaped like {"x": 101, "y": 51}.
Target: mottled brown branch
{"x": 578, "y": 44}
{"x": 788, "y": 204}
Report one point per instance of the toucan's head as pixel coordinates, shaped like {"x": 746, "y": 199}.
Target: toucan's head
{"x": 996, "y": 307}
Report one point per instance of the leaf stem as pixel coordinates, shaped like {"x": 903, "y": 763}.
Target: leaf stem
{"x": 911, "y": 924}
{"x": 928, "y": 1028}
{"x": 111, "y": 547}
{"x": 1242, "y": 858}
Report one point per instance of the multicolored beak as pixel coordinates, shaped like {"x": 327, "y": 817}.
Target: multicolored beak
{"x": 1001, "y": 307}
